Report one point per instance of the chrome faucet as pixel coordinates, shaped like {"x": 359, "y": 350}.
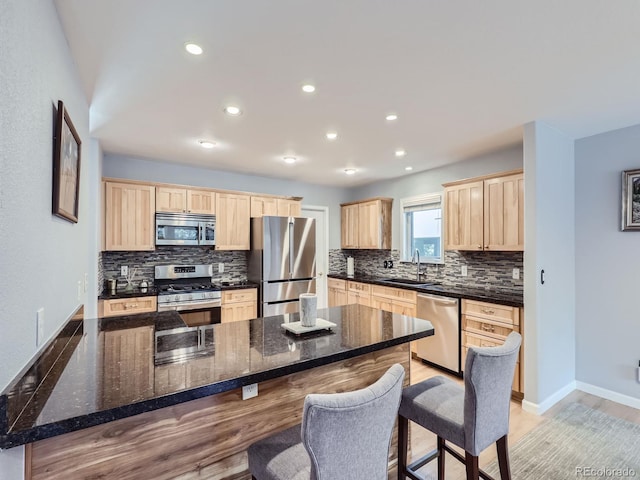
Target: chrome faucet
{"x": 416, "y": 259}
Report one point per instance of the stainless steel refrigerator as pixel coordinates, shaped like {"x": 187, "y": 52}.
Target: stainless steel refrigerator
{"x": 282, "y": 260}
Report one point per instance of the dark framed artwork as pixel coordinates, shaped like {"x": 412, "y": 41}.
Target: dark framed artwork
{"x": 66, "y": 167}
{"x": 631, "y": 200}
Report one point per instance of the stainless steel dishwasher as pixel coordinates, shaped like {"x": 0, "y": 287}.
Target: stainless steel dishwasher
{"x": 443, "y": 348}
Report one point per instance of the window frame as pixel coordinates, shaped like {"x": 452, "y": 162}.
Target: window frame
{"x": 417, "y": 200}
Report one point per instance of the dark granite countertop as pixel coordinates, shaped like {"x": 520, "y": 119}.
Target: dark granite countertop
{"x": 100, "y": 370}
{"x": 502, "y": 297}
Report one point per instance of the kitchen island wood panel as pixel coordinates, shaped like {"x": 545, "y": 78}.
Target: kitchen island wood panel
{"x": 204, "y": 438}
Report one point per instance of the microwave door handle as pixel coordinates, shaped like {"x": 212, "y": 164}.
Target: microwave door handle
{"x": 200, "y": 239}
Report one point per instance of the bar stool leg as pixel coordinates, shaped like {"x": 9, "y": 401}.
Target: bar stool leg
{"x": 503, "y": 458}
{"x": 473, "y": 470}
{"x": 441, "y": 453}
{"x": 403, "y": 444}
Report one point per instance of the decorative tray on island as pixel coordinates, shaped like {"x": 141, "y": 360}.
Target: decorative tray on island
{"x": 297, "y": 328}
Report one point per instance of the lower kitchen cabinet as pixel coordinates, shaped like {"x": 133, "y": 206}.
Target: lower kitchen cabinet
{"x": 239, "y": 305}
{"x": 488, "y": 325}
{"x": 337, "y": 292}
{"x": 359, "y": 293}
{"x": 127, "y": 306}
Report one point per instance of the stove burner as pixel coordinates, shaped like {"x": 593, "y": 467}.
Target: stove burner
{"x": 175, "y": 288}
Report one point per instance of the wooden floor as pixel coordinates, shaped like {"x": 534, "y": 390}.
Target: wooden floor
{"x": 521, "y": 423}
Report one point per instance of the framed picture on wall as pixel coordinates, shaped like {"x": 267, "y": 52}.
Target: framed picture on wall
{"x": 66, "y": 167}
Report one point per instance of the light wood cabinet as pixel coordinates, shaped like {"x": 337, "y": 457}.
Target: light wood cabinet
{"x": 281, "y": 207}
{"x": 128, "y": 306}
{"x": 239, "y": 305}
{"x": 128, "y": 375}
{"x": 184, "y": 200}
{"x": 232, "y": 221}
{"x": 129, "y": 216}
{"x": 337, "y": 292}
{"x": 488, "y": 325}
{"x": 366, "y": 224}
{"x": 485, "y": 214}
{"x": 359, "y": 293}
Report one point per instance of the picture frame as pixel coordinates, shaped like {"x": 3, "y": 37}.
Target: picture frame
{"x": 66, "y": 167}
{"x": 631, "y": 200}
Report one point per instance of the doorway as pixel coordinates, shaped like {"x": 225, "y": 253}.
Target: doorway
{"x": 321, "y": 215}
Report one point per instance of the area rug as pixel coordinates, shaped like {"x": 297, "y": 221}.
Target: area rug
{"x": 578, "y": 442}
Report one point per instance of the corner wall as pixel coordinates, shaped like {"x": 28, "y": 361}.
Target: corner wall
{"x": 607, "y": 266}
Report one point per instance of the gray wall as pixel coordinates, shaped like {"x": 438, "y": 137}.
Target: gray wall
{"x": 549, "y": 324}
{"x": 155, "y": 171}
{"x": 42, "y": 257}
{"x": 430, "y": 181}
{"x": 607, "y": 264}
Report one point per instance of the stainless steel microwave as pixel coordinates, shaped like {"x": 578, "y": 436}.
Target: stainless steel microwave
{"x": 185, "y": 229}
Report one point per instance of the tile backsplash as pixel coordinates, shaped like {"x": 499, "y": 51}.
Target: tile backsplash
{"x": 484, "y": 269}
{"x": 235, "y": 263}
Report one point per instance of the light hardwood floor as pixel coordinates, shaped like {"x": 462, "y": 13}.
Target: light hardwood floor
{"x": 521, "y": 423}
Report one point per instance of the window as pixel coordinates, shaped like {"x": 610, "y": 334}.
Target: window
{"x": 422, "y": 228}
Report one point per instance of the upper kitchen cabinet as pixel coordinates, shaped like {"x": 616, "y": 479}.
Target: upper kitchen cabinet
{"x": 129, "y": 216}
{"x": 366, "y": 224}
{"x": 232, "y": 221}
{"x": 182, "y": 200}
{"x": 273, "y": 206}
{"x": 485, "y": 213}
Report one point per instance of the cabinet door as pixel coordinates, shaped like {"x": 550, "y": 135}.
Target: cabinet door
{"x": 504, "y": 213}
{"x": 288, "y": 208}
{"x": 369, "y": 225}
{"x": 263, "y": 206}
{"x": 201, "y": 201}
{"x": 349, "y": 226}
{"x": 128, "y": 375}
{"x": 235, "y": 312}
{"x": 129, "y": 216}
{"x": 464, "y": 217}
{"x": 232, "y": 221}
{"x": 171, "y": 200}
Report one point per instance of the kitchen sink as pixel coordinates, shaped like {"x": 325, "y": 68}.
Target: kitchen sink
{"x": 408, "y": 282}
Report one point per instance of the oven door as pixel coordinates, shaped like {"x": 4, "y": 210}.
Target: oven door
{"x": 205, "y": 312}
{"x": 182, "y": 343}
{"x": 176, "y": 231}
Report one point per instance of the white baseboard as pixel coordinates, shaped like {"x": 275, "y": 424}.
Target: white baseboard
{"x": 550, "y": 401}
{"x": 608, "y": 394}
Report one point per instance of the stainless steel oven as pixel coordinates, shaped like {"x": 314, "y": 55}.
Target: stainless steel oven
{"x": 182, "y": 343}
{"x": 185, "y": 229}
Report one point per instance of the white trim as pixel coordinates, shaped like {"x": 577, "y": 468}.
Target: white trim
{"x": 325, "y": 211}
{"x": 550, "y": 401}
{"x": 609, "y": 394}
{"x": 416, "y": 200}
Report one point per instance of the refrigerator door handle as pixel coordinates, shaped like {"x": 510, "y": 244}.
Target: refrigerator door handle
{"x": 291, "y": 248}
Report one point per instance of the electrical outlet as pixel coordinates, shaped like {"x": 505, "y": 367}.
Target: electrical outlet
{"x": 463, "y": 270}
{"x": 39, "y": 326}
{"x": 249, "y": 391}
{"x": 516, "y": 274}
{"x": 221, "y": 267}
{"x": 124, "y": 270}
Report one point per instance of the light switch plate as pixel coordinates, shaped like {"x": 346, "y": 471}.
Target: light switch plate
{"x": 516, "y": 274}
{"x": 463, "y": 270}
{"x": 221, "y": 267}
{"x": 124, "y": 270}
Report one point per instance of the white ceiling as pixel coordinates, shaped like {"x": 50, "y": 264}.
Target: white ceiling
{"x": 462, "y": 75}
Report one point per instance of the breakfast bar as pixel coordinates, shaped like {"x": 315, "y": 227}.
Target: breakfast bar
{"x": 146, "y": 396}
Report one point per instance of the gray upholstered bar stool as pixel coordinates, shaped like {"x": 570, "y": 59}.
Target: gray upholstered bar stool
{"x": 472, "y": 417}
{"x": 343, "y": 436}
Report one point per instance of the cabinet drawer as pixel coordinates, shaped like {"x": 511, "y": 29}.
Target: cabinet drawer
{"x": 473, "y": 340}
{"x": 129, "y": 306}
{"x": 491, "y": 311}
{"x": 337, "y": 283}
{"x": 234, "y": 296}
{"x": 359, "y": 287}
{"x": 515, "y": 385}
{"x": 490, "y": 328}
{"x": 395, "y": 293}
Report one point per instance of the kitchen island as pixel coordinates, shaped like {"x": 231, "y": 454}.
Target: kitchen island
{"x": 145, "y": 396}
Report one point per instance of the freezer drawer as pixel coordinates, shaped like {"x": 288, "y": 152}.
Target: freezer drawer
{"x": 290, "y": 290}
{"x": 443, "y": 348}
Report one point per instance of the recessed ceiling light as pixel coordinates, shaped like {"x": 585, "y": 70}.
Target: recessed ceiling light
{"x": 349, "y": 171}
{"x": 308, "y": 88}
{"x": 193, "y": 48}
{"x": 392, "y": 116}
{"x": 400, "y": 153}
{"x": 332, "y": 135}
{"x": 289, "y": 159}
{"x": 207, "y": 144}
{"x": 408, "y": 169}
{"x": 232, "y": 110}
